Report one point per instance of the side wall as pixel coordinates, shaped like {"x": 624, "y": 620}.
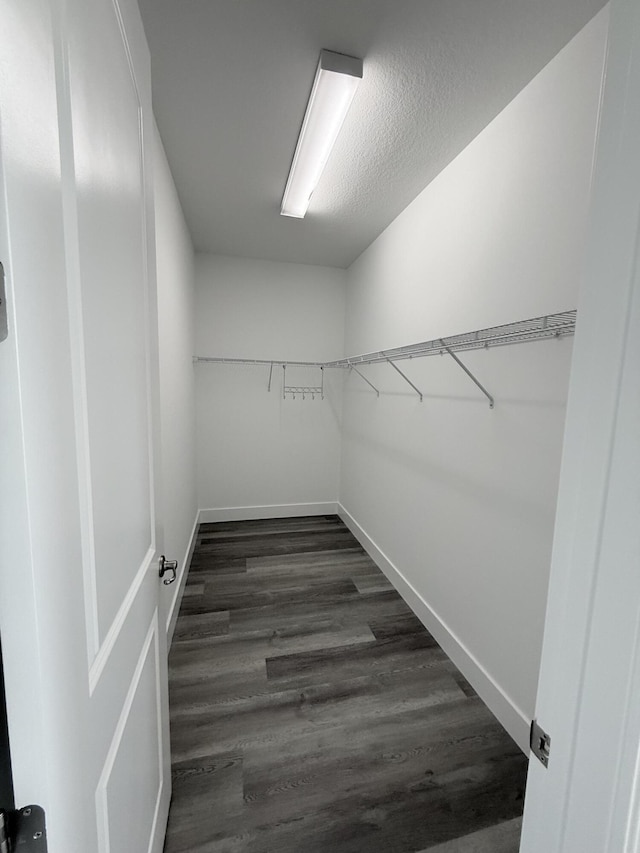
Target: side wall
{"x": 457, "y": 501}
{"x": 175, "y": 275}
{"x": 258, "y": 454}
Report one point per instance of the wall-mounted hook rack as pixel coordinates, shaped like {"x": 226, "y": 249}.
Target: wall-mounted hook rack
{"x": 302, "y": 390}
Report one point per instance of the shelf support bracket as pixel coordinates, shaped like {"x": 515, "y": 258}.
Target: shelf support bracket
{"x": 469, "y": 374}
{"x": 406, "y": 379}
{"x": 351, "y": 367}
{"x": 270, "y": 375}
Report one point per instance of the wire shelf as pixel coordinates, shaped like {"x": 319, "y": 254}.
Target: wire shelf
{"x": 523, "y": 331}
{"x": 538, "y": 328}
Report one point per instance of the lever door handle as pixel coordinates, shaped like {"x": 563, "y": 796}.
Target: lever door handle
{"x": 164, "y": 566}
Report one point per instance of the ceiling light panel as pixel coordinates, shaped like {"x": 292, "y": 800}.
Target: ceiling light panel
{"x": 335, "y": 84}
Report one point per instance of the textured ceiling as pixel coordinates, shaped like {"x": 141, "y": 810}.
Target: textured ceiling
{"x": 231, "y": 80}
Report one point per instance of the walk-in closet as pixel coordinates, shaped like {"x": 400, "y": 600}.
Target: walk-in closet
{"x": 318, "y": 354}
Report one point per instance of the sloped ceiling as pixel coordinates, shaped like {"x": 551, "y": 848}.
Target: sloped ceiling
{"x": 231, "y": 80}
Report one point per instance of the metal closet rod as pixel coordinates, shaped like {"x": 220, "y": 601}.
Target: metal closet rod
{"x": 271, "y": 361}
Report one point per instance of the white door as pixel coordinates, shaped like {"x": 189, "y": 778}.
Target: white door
{"x": 588, "y": 801}
{"x": 80, "y": 525}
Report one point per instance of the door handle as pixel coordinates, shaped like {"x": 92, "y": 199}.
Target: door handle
{"x": 164, "y": 566}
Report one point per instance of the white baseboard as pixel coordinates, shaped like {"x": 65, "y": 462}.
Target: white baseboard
{"x": 183, "y": 571}
{"x": 499, "y": 703}
{"x": 248, "y": 513}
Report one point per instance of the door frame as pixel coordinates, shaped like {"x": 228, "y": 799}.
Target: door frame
{"x": 588, "y": 800}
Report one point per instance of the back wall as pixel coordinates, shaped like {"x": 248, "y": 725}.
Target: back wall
{"x": 258, "y": 454}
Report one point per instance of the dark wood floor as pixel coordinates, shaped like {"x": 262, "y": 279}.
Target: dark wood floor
{"x": 311, "y": 712}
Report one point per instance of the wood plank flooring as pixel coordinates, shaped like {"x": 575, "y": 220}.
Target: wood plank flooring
{"x": 311, "y": 712}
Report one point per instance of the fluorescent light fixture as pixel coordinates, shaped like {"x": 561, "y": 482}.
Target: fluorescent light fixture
{"x": 333, "y": 89}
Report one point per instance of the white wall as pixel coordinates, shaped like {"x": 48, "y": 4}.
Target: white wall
{"x": 175, "y": 273}
{"x": 257, "y": 453}
{"x": 460, "y": 499}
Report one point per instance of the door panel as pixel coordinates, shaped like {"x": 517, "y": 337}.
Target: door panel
{"x": 109, "y": 197}
{"x": 106, "y": 198}
{"x": 131, "y": 782}
{"x": 85, "y": 649}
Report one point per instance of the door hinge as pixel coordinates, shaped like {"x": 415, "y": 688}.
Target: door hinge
{"x": 23, "y": 831}
{"x": 540, "y": 743}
